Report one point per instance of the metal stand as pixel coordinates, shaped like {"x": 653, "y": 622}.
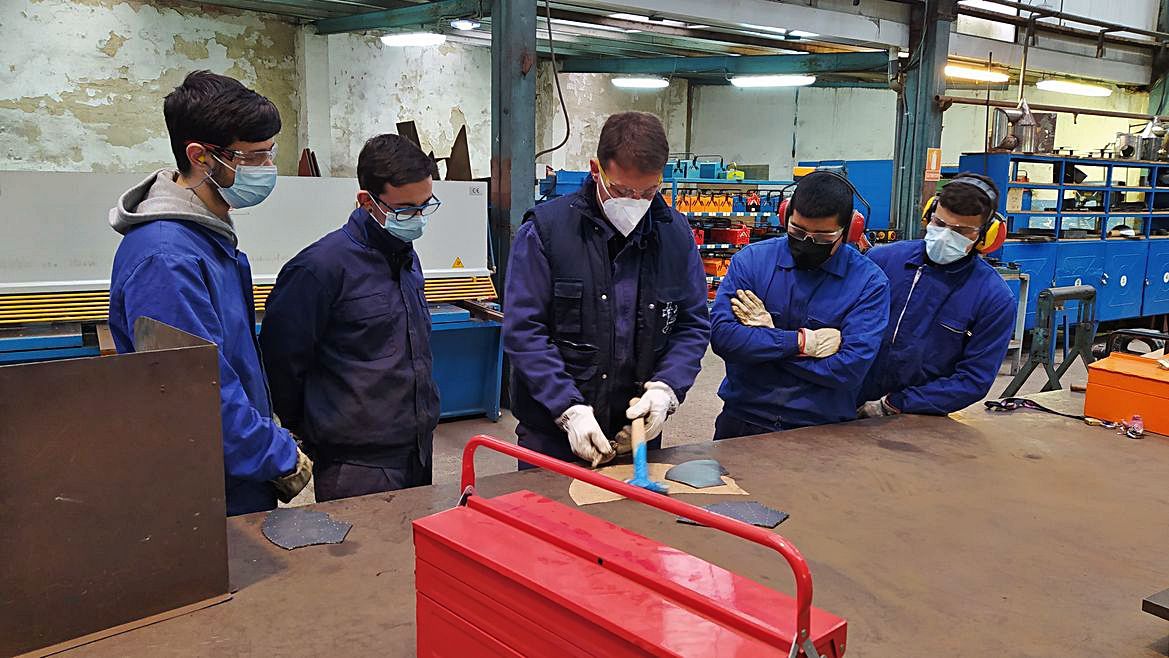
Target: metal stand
{"x": 1042, "y": 338}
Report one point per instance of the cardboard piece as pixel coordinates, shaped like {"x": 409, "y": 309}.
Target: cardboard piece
{"x": 586, "y": 494}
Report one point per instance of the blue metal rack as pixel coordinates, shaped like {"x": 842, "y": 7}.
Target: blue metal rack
{"x": 1061, "y": 228}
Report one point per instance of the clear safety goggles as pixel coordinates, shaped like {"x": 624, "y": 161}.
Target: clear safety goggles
{"x": 408, "y": 212}
{"x": 817, "y": 237}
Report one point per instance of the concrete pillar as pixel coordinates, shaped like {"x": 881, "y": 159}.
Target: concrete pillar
{"x": 313, "y": 85}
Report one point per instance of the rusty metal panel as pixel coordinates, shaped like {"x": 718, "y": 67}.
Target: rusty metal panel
{"x": 112, "y": 498}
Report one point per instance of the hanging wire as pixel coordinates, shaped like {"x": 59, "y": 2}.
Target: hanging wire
{"x": 556, "y": 80}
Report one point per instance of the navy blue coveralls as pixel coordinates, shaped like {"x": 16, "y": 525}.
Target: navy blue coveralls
{"x": 591, "y": 315}
{"x": 949, "y": 329}
{"x": 769, "y": 386}
{"x": 346, "y": 340}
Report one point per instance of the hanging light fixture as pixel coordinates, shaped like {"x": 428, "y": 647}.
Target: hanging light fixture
{"x": 413, "y": 39}
{"x": 970, "y": 73}
{"x": 755, "y": 81}
{"x": 465, "y": 24}
{"x": 640, "y": 82}
{"x": 1077, "y": 88}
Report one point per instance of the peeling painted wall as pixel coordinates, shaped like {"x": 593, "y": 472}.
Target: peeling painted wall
{"x": 590, "y": 99}
{"x": 81, "y": 88}
{"x": 374, "y": 86}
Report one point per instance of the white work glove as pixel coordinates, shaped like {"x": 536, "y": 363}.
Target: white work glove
{"x": 750, "y": 311}
{"x": 656, "y": 404}
{"x": 623, "y": 442}
{"x": 585, "y": 436}
{"x": 875, "y": 409}
{"x": 820, "y": 343}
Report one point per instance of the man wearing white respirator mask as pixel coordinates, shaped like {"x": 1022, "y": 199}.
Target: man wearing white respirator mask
{"x": 951, "y": 315}
{"x": 605, "y": 302}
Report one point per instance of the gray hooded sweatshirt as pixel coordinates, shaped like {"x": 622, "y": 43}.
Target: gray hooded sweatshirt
{"x": 159, "y": 197}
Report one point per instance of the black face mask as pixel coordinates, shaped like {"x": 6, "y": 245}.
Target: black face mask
{"x": 807, "y": 254}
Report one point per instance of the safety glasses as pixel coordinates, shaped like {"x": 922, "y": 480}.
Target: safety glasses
{"x": 623, "y": 192}
{"x": 407, "y": 212}
{"x": 250, "y": 158}
{"x": 966, "y": 231}
{"x": 816, "y": 237}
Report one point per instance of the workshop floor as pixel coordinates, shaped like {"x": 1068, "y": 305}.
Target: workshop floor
{"x": 693, "y": 423}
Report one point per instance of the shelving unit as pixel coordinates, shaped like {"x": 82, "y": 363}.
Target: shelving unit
{"x": 763, "y": 223}
{"x": 1061, "y": 232}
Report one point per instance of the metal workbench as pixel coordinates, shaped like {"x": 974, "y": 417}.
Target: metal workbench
{"x": 978, "y": 535}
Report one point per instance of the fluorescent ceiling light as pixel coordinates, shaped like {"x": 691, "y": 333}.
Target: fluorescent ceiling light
{"x": 415, "y": 39}
{"x": 764, "y": 28}
{"x": 656, "y": 21}
{"x": 802, "y": 34}
{"x": 640, "y": 83}
{"x": 1077, "y": 88}
{"x": 969, "y": 73}
{"x": 773, "y": 80}
{"x": 465, "y": 24}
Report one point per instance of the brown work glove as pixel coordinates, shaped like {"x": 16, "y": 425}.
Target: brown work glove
{"x": 288, "y": 486}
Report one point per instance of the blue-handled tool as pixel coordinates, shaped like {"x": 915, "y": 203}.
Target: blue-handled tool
{"x": 640, "y": 466}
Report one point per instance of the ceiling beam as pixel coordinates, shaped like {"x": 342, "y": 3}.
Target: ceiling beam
{"x": 416, "y": 15}
{"x": 759, "y": 64}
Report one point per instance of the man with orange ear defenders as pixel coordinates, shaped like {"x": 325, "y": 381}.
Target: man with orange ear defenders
{"x": 951, "y": 315}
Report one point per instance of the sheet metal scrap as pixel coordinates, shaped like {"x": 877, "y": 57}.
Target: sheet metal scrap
{"x": 698, "y": 473}
{"x": 748, "y": 512}
{"x": 296, "y": 527}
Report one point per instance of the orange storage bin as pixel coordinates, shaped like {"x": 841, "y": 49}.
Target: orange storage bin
{"x": 1121, "y": 385}
{"x": 716, "y": 266}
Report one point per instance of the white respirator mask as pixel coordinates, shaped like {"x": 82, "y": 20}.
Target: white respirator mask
{"x": 623, "y": 213}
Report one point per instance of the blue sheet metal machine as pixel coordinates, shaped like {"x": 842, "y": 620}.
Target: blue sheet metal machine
{"x": 468, "y": 356}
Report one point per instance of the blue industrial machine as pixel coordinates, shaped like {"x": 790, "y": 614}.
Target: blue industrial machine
{"x": 54, "y": 272}
{"x": 874, "y": 180}
{"x": 1086, "y": 221}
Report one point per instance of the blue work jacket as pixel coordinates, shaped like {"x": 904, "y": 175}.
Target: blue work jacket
{"x": 194, "y": 279}
{"x": 949, "y": 328}
{"x": 346, "y": 338}
{"x": 768, "y": 383}
{"x": 591, "y": 316}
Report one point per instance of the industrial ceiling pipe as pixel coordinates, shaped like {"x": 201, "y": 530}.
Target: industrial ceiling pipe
{"x": 944, "y": 102}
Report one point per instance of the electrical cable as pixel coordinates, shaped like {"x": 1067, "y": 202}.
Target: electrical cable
{"x": 556, "y": 80}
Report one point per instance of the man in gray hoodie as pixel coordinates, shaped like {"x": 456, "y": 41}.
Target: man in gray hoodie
{"x": 178, "y": 263}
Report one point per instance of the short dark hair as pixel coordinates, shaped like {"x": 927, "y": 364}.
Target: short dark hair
{"x": 392, "y": 159}
{"x": 216, "y": 110}
{"x": 966, "y": 199}
{"x": 634, "y": 139}
{"x": 823, "y": 194}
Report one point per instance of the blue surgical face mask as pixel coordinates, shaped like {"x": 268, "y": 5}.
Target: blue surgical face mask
{"x": 407, "y": 230}
{"x": 252, "y": 184}
{"x": 944, "y": 246}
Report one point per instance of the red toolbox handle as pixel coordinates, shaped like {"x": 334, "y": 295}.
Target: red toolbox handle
{"x": 728, "y": 525}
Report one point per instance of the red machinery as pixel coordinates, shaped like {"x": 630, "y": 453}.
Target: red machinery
{"x": 522, "y": 575}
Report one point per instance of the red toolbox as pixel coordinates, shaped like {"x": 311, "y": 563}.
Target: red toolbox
{"x": 522, "y": 575}
{"x": 736, "y": 235}
{"x": 699, "y": 235}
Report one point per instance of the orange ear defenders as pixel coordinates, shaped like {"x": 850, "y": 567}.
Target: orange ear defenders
{"x": 994, "y": 229}
{"x": 856, "y": 227}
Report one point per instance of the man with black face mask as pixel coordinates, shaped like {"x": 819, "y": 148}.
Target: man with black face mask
{"x": 798, "y": 319}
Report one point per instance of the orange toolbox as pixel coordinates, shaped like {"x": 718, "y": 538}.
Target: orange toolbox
{"x": 716, "y": 266}
{"x": 1121, "y": 385}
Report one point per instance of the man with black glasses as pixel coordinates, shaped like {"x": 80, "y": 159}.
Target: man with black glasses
{"x": 346, "y": 334}
{"x": 798, "y": 319}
